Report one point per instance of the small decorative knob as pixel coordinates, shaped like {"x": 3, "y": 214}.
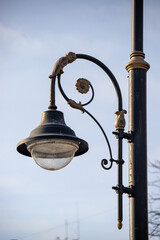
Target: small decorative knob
{"x": 82, "y": 85}
{"x": 120, "y": 120}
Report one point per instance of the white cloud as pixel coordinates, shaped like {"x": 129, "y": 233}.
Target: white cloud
{"x": 18, "y": 42}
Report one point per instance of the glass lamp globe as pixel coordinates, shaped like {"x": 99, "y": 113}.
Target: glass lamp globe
{"x": 53, "y": 154}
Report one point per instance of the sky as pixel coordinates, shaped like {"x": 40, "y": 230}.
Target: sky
{"x": 40, "y": 204}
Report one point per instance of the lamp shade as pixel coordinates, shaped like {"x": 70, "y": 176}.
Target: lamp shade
{"x": 52, "y": 144}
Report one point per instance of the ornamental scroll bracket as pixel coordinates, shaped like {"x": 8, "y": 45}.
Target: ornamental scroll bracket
{"x": 83, "y": 86}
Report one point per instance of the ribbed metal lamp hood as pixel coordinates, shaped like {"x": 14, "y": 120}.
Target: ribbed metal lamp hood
{"x": 52, "y": 126}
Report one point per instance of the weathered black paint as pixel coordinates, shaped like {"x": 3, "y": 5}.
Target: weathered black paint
{"x": 138, "y": 155}
{"x": 137, "y": 25}
{"x": 138, "y": 124}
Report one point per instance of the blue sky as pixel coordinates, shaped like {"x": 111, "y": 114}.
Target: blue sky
{"x": 35, "y": 203}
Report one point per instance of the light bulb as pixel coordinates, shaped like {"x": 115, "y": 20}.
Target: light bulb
{"x": 53, "y": 154}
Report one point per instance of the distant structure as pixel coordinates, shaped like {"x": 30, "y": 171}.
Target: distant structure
{"x": 66, "y": 229}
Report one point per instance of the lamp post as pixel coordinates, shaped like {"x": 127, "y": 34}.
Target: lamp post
{"x": 137, "y": 69}
{"x": 53, "y": 144}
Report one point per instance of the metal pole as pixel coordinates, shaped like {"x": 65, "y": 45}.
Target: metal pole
{"x": 137, "y": 69}
{"x": 120, "y": 182}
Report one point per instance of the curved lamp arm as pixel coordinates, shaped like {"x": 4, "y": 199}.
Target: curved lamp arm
{"x": 71, "y": 57}
{"x": 108, "y": 72}
{"x": 119, "y": 123}
{"x": 58, "y": 70}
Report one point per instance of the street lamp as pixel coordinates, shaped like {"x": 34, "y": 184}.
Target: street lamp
{"x": 53, "y": 144}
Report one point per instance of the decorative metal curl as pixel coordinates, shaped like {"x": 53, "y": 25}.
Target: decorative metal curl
{"x": 104, "y": 162}
{"x": 73, "y": 103}
{"x": 92, "y": 97}
{"x": 79, "y": 106}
